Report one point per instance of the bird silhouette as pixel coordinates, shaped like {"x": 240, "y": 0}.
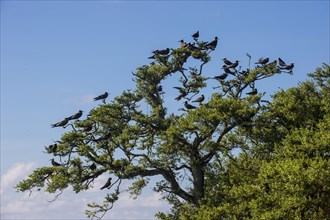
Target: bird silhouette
{"x": 188, "y": 106}
{"x": 101, "y": 97}
{"x": 227, "y": 70}
{"x": 253, "y": 92}
{"x": 92, "y": 166}
{"x": 221, "y": 77}
{"x": 213, "y": 44}
{"x": 61, "y": 123}
{"x": 182, "y": 95}
{"x": 52, "y": 148}
{"x": 161, "y": 52}
{"x": 200, "y": 99}
{"x": 182, "y": 43}
{"x": 196, "y": 35}
{"x": 281, "y": 62}
{"x": 107, "y": 184}
{"x": 152, "y": 57}
{"x": 88, "y": 128}
{"x": 263, "y": 61}
{"x": 75, "y": 116}
{"x": 288, "y": 67}
{"x": 233, "y": 65}
{"x": 159, "y": 88}
{"x": 179, "y": 88}
{"x": 227, "y": 62}
{"x": 54, "y": 163}
{"x": 103, "y": 137}
{"x": 191, "y": 46}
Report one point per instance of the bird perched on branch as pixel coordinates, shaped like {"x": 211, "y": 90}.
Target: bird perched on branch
{"x": 281, "y": 62}
{"x": 221, "y": 77}
{"x": 263, "y": 61}
{"x": 52, "y": 148}
{"x": 159, "y": 88}
{"x": 54, "y": 163}
{"x": 75, "y": 116}
{"x": 107, "y": 184}
{"x": 92, "y": 166}
{"x": 213, "y": 44}
{"x": 179, "y": 88}
{"x": 183, "y": 93}
{"x": 227, "y": 70}
{"x": 61, "y": 123}
{"x": 253, "y": 92}
{"x": 101, "y": 97}
{"x": 152, "y": 57}
{"x": 188, "y": 106}
{"x": 233, "y": 65}
{"x": 288, "y": 67}
{"x": 103, "y": 137}
{"x": 88, "y": 128}
{"x": 161, "y": 52}
{"x": 200, "y": 99}
{"x": 227, "y": 62}
{"x": 182, "y": 43}
{"x": 195, "y": 35}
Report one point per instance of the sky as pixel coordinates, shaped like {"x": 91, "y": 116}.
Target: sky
{"x": 57, "y": 55}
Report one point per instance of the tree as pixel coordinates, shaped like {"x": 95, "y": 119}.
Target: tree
{"x": 285, "y": 173}
{"x": 186, "y": 148}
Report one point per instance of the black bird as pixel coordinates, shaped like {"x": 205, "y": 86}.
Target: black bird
{"x": 288, "y": 67}
{"x": 182, "y": 43}
{"x": 196, "y": 35}
{"x": 200, "y": 99}
{"x": 159, "y": 88}
{"x": 221, "y": 77}
{"x": 233, "y": 65}
{"x": 182, "y": 95}
{"x": 107, "y": 184}
{"x": 54, "y": 163}
{"x": 227, "y": 62}
{"x": 75, "y": 116}
{"x": 92, "y": 166}
{"x": 188, "y": 106}
{"x": 161, "y": 52}
{"x": 253, "y": 92}
{"x": 52, "y": 148}
{"x": 179, "y": 88}
{"x": 227, "y": 70}
{"x": 213, "y": 44}
{"x": 88, "y": 128}
{"x": 152, "y": 57}
{"x": 101, "y": 97}
{"x": 281, "y": 62}
{"x": 103, "y": 137}
{"x": 61, "y": 123}
{"x": 263, "y": 61}
{"x": 191, "y": 46}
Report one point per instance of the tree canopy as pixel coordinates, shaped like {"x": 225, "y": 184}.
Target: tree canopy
{"x": 223, "y": 153}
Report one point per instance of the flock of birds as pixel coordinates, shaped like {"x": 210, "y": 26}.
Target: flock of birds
{"x": 228, "y": 67}
{"x": 53, "y": 148}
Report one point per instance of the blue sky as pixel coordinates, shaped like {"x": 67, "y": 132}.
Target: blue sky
{"x": 57, "y": 55}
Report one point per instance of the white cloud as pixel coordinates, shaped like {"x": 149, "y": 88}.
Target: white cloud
{"x": 17, "y": 171}
{"x": 70, "y": 205}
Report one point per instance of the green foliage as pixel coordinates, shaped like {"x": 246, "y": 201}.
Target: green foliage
{"x": 293, "y": 181}
{"x": 233, "y": 156}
